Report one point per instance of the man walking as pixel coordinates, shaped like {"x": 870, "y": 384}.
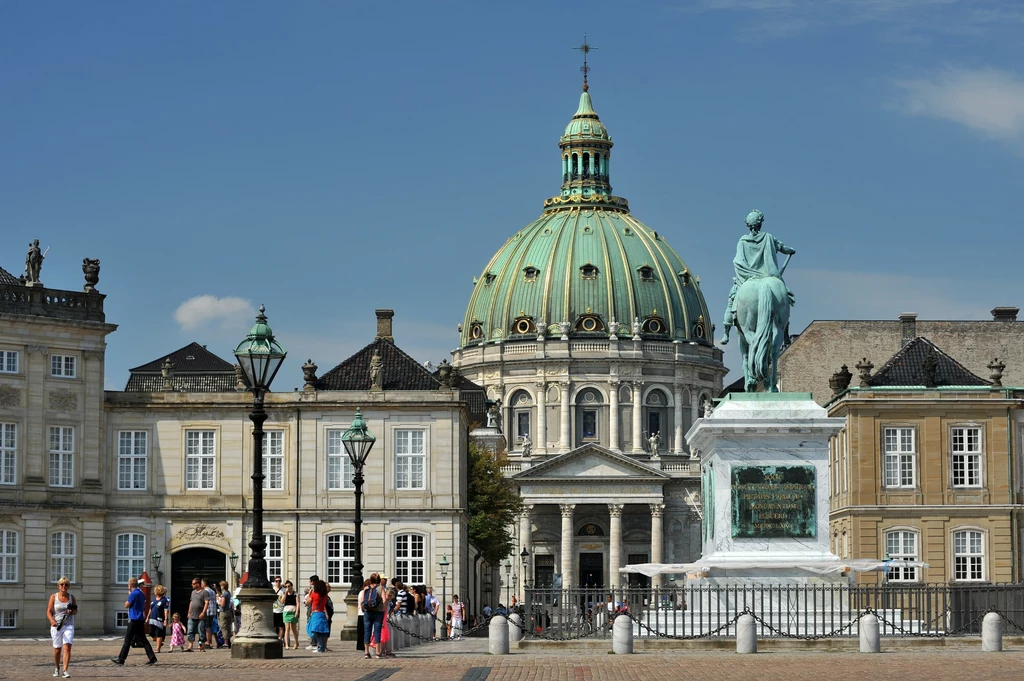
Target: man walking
{"x": 138, "y": 611}
{"x": 197, "y": 616}
{"x": 211, "y": 613}
{"x": 433, "y": 605}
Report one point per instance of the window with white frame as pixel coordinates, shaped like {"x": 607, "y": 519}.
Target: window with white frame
{"x": 899, "y": 457}
{"x": 63, "y": 366}
{"x": 132, "y": 456}
{"x": 966, "y": 463}
{"x": 273, "y": 459}
{"x": 275, "y": 556}
{"x": 901, "y": 545}
{"x": 8, "y": 361}
{"x": 410, "y": 555}
{"x": 341, "y": 551}
{"x": 62, "y": 456}
{"x": 131, "y": 556}
{"x": 121, "y": 619}
{"x": 968, "y": 556}
{"x": 8, "y": 453}
{"x": 200, "y": 459}
{"x": 339, "y": 466}
{"x": 410, "y": 457}
{"x": 8, "y": 619}
{"x": 8, "y": 556}
{"x": 62, "y": 556}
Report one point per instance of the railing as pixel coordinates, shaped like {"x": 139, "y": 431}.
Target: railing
{"x": 520, "y": 348}
{"x": 680, "y": 467}
{"x": 588, "y": 346}
{"x": 780, "y": 610}
{"x": 654, "y": 347}
{"x": 45, "y": 302}
{"x": 512, "y": 468}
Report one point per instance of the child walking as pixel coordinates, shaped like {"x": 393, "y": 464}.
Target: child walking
{"x": 177, "y": 633}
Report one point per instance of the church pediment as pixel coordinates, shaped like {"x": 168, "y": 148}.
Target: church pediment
{"x": 589, "y": 462}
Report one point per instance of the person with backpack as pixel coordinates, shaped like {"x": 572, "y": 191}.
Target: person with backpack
{"x": 373, "y": 615}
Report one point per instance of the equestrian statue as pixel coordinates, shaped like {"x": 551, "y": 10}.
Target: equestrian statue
{"x": 759, "y": 303}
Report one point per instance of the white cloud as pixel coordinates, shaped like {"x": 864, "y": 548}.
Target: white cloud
{"x": 987, "y": 100}
{"x": 203, "y": 310}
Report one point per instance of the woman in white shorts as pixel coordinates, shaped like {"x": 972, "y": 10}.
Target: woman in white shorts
{"x": 61, "y": 613}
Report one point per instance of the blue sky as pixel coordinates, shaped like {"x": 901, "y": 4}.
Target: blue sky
{"x": 327, "y": 158}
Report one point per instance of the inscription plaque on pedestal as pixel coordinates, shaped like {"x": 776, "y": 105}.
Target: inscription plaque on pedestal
{"x": 773, "y": 501}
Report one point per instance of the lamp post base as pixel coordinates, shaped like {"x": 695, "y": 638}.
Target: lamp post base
{"x": 257, "y": 639}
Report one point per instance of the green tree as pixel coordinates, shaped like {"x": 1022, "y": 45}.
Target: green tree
{"x": 494, "y": 504}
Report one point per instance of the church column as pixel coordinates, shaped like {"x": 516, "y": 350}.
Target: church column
{"x": 657, "y": 538}
{"x": 613, "y": 417}
{"x": 638, "y": 444}
{"x": 540, "y": 438}
{"x": 564, "y": 439}
{"x": 567, "y": 545}
{"x": 677, "y": 396}
{"x": 525, "y": 542}
{"x": 614, "y": 545}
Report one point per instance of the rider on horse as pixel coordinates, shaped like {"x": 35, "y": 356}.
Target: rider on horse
{"x": 755, "y": 259}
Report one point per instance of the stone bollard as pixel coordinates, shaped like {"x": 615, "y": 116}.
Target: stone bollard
{"x": 515, "y": 628}
{"x": 870, "y": 642}
{"x": 992, "y": 633}
{"x": 622, "y": 635}
{"x": 746, "y": 634}
{"x": 498, "y": 635}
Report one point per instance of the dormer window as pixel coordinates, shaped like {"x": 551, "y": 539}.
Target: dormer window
{"x": 655, "y": 325}
{"x": 686, "y": 277}
{"x": 589, "y": 323}
{"x": 700, "y": 329}
{"x": 489, "y": 278}
{"x": 588, "y": 271}
{"x": 530, "y": 273}
{"x": 646, "y": 273}
{"x": 476, "y": 331}
{"x": 523, "y": 325}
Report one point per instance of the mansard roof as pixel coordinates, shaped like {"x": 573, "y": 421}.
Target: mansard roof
{"x": 195, "y": 369}
{"x": 910, "y": 367}
{"x": 399, "y": 371}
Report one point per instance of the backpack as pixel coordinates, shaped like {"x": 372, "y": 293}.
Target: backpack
{"x": 371, "y": 600}
{"x": 330, "y": 610}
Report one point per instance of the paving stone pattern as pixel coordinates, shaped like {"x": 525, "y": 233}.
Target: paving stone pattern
{"x": 468, "y": 661}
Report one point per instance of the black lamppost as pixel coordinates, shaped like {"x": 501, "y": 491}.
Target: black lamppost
{"x": 508, "y": 581}
{"x": 156, "y": 565}
{"x": 444, "y": 594}
{"x": 260, "y": 357}
{"x": 358, "y": 441}
{"x": 524, "y": 557}
{"x": 234, "y": 564}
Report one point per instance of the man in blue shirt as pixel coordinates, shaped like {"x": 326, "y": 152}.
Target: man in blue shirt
{"x": 138, "y": 611}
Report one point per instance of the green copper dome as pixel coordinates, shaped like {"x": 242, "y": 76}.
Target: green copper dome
{"x": 586, "y": 265}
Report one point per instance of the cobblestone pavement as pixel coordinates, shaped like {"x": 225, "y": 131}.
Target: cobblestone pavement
{"x": 468, "y": 661}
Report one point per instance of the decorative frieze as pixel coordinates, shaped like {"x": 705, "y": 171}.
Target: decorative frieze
{"x": 63, "y": 400}
{"x": 198, "y": 531}
{"x": 9, "y": 397}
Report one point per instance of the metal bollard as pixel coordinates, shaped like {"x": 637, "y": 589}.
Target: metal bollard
{"x": 498, "y": 635}
{"x": 515, "y": 628}
{"x": 622, "y": 636}
{"x": 746, "y": 634}
{"x": 869, "y": 637}
{"x": 992, "y": 627}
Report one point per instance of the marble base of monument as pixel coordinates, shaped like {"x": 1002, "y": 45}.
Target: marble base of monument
{"x": 257, "y": 639}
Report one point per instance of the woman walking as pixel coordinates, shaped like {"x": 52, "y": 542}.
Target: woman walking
{"x": 317, "y": 626}
{"x": 290, "y": 614}
{"x": 158, "y": 615}
{"x": 60, "y": 611}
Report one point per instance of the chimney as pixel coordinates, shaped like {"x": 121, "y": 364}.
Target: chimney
{"x": 1005, "y": 314}
{"x": 908, "y": 327}
{"x": 384, "y": 318}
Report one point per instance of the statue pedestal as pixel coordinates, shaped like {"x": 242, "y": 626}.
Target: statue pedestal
{"x": 350, "y": 632}
{"x": 764, "y": 474}
{"x": 257, "y": 639}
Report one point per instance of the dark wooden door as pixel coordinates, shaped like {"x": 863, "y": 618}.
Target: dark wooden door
{"x": 194, "y": 563}
{"x": 591, "y": 570}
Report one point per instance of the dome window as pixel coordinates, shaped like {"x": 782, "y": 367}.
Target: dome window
{"x": 476, "y": 331}
{"x": 655, "y": 325}
{"x": 588, "y": 271}
{"x": 686, "y": 277}
{"x": 627, "y": 231}
{"x": 523, "y": 325}
{"x": 646, "y": 273}
{"x": 489, "y": 278}
{"x": 590, "y": 323}
{"x": 530, "y": 273}
{"x": 700, "y": 328}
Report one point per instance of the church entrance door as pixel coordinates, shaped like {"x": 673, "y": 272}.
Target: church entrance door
{"x": 591, "y": 569}
{"x": 194, "y": 563}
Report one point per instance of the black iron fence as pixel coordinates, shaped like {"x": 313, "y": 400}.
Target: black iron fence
{"x": 780, "y": 610}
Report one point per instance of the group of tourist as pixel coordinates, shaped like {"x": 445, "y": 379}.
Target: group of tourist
{"x": 379, "y": 601}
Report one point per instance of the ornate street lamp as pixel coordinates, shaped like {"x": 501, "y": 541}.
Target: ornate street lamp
{"x": 358, "y": 441}
{"x": 234, "y": 564}
{"x": 444, "y": 593}
{"x": 155, "y": 558}
{"x": 260, "y": 357}
{"x": 508, "y": 581}
{"x": 524, "y": 557}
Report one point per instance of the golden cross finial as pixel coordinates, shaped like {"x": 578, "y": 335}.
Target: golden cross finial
{"x": 585, "y": 48}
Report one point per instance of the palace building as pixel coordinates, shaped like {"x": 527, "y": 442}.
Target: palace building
{"x": 593, "y": 335}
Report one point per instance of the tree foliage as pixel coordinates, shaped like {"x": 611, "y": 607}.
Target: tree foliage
{"x": 494, "y": 504}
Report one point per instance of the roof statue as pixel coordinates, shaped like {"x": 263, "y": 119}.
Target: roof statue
{"x": 34, "y": 263}
{"x": 759, "y": 304}
{"x": 376, "y": 364}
